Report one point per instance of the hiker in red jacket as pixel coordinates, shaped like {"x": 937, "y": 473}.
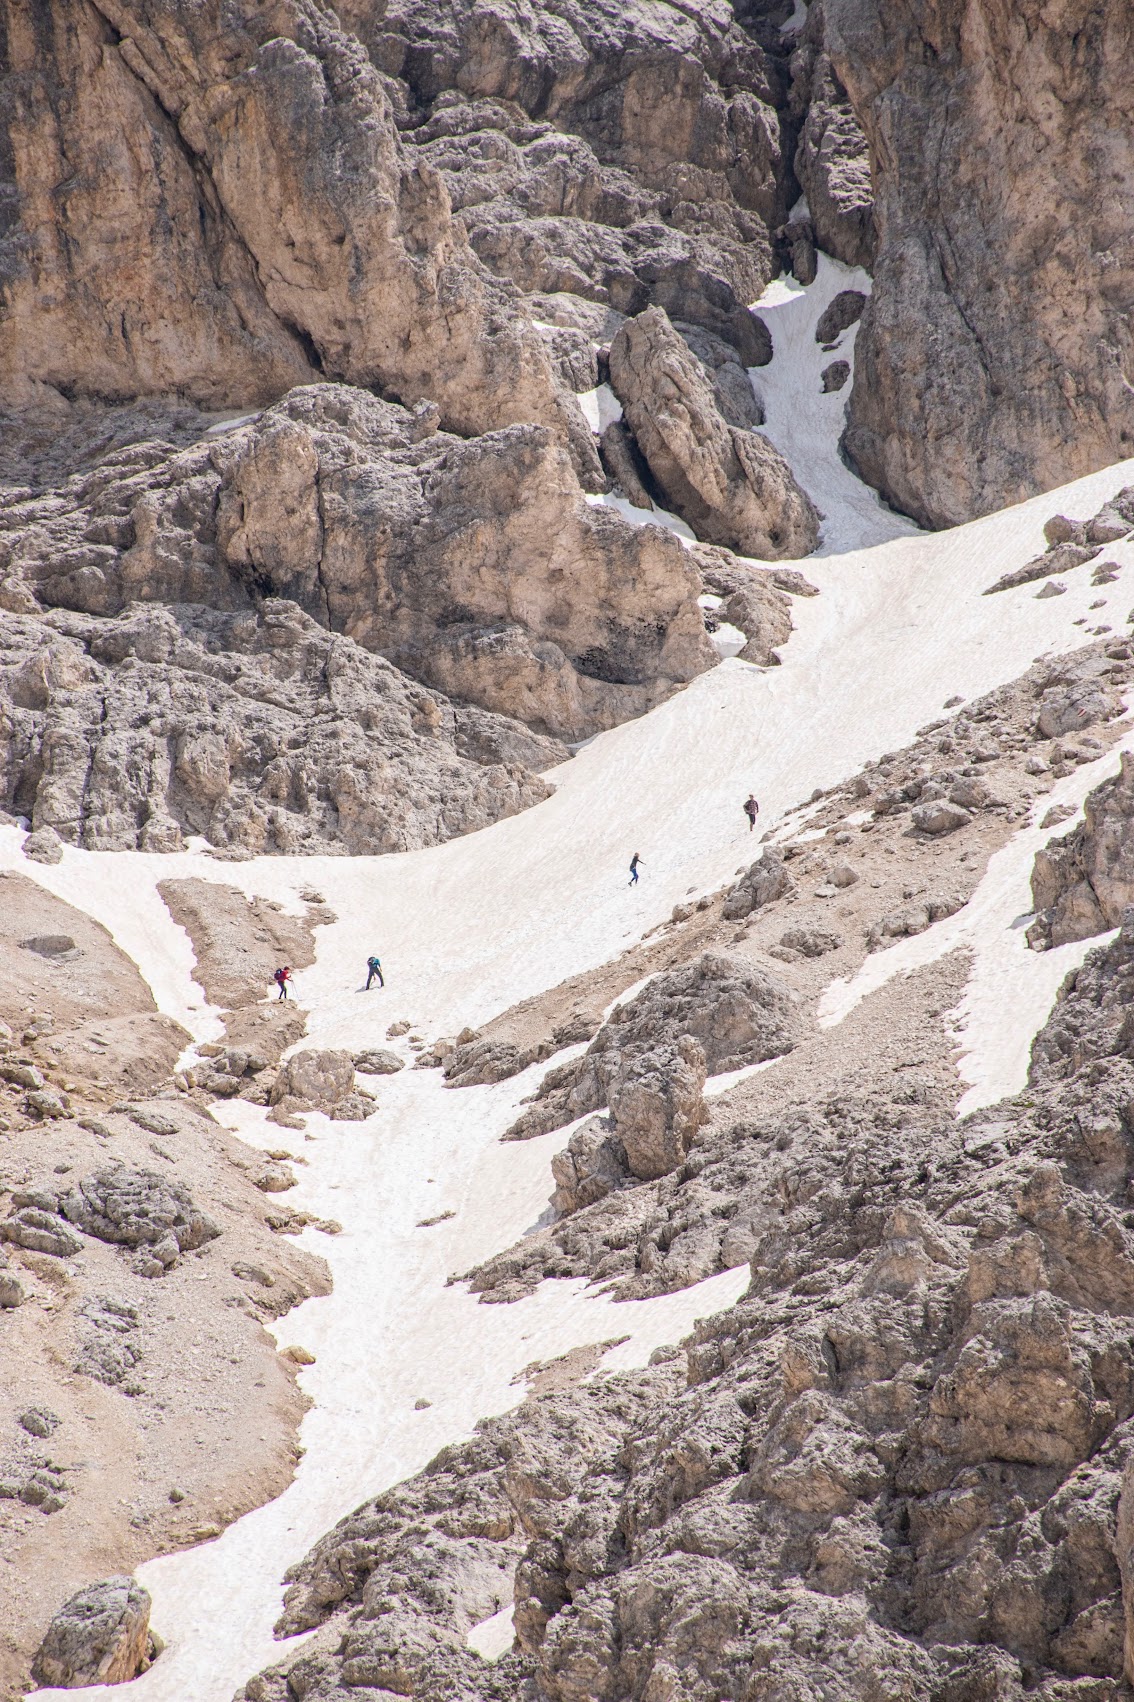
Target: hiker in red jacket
{"x": 281, "y": 978}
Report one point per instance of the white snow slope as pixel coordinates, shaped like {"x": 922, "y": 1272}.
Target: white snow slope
{"x": 470, "y": 927}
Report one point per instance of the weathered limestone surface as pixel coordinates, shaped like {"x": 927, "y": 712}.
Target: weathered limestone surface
{"x": 994, "y": 355}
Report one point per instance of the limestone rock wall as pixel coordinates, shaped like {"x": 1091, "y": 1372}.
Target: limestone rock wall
{"x": 259, "y": 731}
{"x": 994, "y": 355}
{"x": 212, "y": 201}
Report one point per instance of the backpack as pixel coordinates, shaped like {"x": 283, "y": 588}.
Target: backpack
{"x": 373, "y": 963}
{"x": 280, "y": 977}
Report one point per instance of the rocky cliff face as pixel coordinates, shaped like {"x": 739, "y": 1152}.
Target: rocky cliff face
{"x": 214, "y": 203}
{"x": 994, "y": 355}
{"x": 478, "y": 565}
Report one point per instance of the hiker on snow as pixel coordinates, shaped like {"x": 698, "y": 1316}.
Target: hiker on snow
{"x": 751, "y": 810}
{"x": 634, "y": 861}
{"x": 374, "y": 968}
{"x": 281, "y": 978}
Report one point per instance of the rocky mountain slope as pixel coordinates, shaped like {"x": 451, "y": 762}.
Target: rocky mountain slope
{"x": 407, "y": 412}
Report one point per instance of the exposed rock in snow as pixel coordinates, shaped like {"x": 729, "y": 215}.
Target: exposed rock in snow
{"x": 101, "y": 1636}
{"x": 737, "y": 1013}
{"x": 1083, "y": 883}
{"x": 320, "y": 1080}
{"x": 729, "y": 483}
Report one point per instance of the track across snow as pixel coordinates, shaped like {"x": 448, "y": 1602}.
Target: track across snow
{"x": 470, "y": 927}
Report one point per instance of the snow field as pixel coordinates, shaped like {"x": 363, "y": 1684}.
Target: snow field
{"x": 804, "y": 421}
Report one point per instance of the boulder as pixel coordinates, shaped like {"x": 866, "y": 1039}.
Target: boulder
{"x": 657, "y": 1105}
{"x": 321, "y": 1080}
{"x": 43, "y": 846}
{"x": 939, "y": 816}
{"x": 810, "y": 942}
{"x": 766, "y": 880}
{"x": 1083, "y": 883}
{"x": 57, "y": 948}
{"x": 592, "y": 1166}
{"x": 40, "y": 1231}
{"x": 100, "y": 1636}
{"x": 1074, "y": 707}
{"x": 377, "y": 1061}
{"x": 840, "y": 313}
{"x": 1059, "y": 557}
{"x": 731, "y": 485}
{"x": 11, "y": 1288}
{"x": 623, "y": 462}
{"x": 139, "y": 1209}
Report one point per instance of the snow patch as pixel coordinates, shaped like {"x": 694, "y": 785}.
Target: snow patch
{"x": 1011, "y": 989}
{"x": 493, "y": 1637}
{"x": 803, "y": 421}
{"x": 600, "y": 406}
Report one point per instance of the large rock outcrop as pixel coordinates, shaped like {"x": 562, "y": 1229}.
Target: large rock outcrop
{"x": 256, "y": 729}
{"x": 478, "y": 566}
{"x": 994, "y": 355}
{"x": 1083, "y": 883}
{"x": 629, "y": 153}
{"x": 731, "y": 484}
{"x": 141, "y": 1210}
{"x": 212, "y": 201}
{"x": 733, "y": 1009}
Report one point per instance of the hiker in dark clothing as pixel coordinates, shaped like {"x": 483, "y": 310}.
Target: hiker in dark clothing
{"x": 751, "y": 810}
{"x": 281, "y": 978}
{"x": 634, "y": 861}
{"x": 374, "y": 968}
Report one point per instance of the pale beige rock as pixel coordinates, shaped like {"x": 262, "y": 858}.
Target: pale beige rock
{"x": 1002, "y": 369}
{"x": 731, "y": 485}
{"x": 477, "y": 566}
{"x": 101, "y": 1636}
{"x": 656, "y": 1105}
{"x": 258, "y": 731}
{"x": 240, "y": 216}
{"x": 1083, "y": 883}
